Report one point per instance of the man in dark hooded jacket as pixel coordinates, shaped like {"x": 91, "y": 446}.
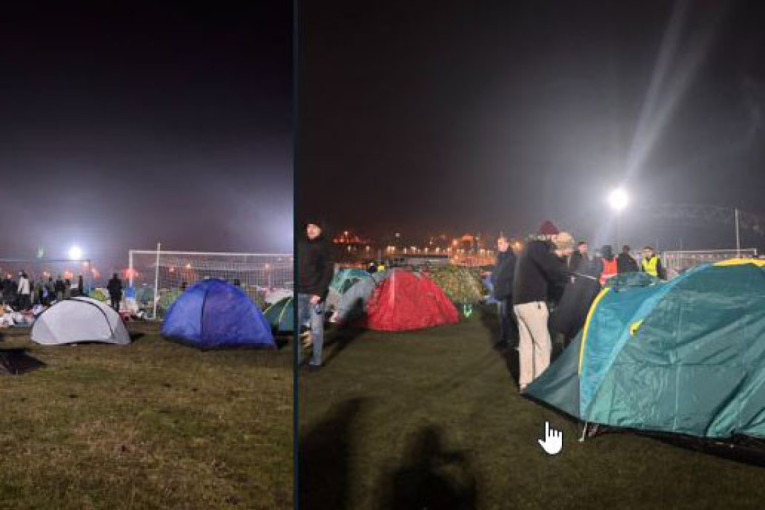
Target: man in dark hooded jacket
{"x": 502, "y": 283}
{"x": 315, "y": 271}
{"x": 625, "y": 263}
{"x": 115, "y": 291}
{"x": 539, "y": 267}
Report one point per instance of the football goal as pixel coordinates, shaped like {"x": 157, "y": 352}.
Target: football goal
{"x": 155, "y": 278}
{"x": 678, "y": 262}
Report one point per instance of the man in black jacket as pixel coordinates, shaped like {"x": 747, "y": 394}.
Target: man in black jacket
{"x": 539, "y": 267}
{"x": 115, "y": 291}
{"x": 60, "y": 288}
{"x": 315, "y": 271}
{"x": 580, "y": 260}
{"x": 625, "y": 263}
{"x": 502, "y": 283}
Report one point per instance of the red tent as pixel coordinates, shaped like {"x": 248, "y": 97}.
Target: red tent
{"x": 406, "y": 301}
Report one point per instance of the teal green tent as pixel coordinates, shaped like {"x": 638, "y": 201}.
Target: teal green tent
{"x": 685, "y": 356}
{"x": 341, "y": 282}
{"x": 344, "y": 278}
{"x": 281, "y": 316}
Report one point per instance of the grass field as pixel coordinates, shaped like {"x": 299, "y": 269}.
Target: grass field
{"x": 432, "y": 419}
{"x": 151, "y": 425}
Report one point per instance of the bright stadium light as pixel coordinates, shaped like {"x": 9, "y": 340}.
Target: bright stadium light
{"x": 75, "y": 253}
{"x": 618, "y": 199}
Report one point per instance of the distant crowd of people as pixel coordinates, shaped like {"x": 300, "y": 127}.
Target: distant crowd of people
{"x": 24, "y": 293}
{"x": 555, "y": 276}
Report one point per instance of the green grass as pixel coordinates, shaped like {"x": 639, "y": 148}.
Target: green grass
{"x": 151, "y": 425}
{"x": 436, "y": 412}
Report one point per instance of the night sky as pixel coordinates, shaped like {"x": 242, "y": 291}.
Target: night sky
{"x": 487, "y": 116}
{"x": 122, "y": 128}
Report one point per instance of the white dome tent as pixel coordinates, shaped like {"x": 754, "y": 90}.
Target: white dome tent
{"x": 79, "y": 319}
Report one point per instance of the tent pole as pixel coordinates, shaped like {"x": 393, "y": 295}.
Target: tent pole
{"x": 130, "y": 268}
{"x": 156, "y": 284}
{"x": 584, "y": 433}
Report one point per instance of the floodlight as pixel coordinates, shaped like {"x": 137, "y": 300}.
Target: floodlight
{"x": 75, "y": 253}
{"x": 618, "y": 199}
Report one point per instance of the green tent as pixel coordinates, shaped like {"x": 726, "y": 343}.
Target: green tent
{"x": 685, "y": 356}
{"x": 341, "y": 282}
{"x": 344, "y": 278}
{"x": 462, "y": 285}
{"x": 281, "y": 315}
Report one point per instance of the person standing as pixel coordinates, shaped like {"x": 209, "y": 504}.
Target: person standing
{"x": 651, "y": 264}
{"x": 81, "y": 287}
{"x": 315, "y": 271}
{"x": 9, "y": 291}
{"x": 115, "y": 291}
{"x": 540, "y": 266}
{"x": 49, "y": 291}
{"x": 607, "y": 264}
{"x": 626, "y": 263}
{"x": 60, "y": 288}
{"x": 580, "y": 259}
{"x": 67, "y": 289}
{"x": 502, "y": 289}
{"x": 24, "y": 291}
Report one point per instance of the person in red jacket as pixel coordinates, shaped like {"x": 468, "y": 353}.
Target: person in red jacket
{"x": 608, "y": 264}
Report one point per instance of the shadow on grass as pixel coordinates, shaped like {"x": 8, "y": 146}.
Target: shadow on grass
{"x": 431, "y": 477}
{"x": 18, "y": 362}
{"x": 324, "y": 459}
{"x": 282, "y": 341}
{"x": 341, "y": 338}
{"x": 136, "y": 336}
{"x": 509, "y": 352}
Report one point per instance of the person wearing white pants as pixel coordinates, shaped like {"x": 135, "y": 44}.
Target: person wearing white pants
{"x": 540, "y": 265}
{"x": 534, "y": 345}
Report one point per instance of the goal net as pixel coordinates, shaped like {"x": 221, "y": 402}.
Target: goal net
{"x": 678, "y": 262}
{"x": 156, "y": 279}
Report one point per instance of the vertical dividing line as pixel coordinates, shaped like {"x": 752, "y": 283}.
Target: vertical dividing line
{"x": 295, "y": 271}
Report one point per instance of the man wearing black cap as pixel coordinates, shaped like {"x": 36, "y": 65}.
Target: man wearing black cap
{"x": 315, "y": 270}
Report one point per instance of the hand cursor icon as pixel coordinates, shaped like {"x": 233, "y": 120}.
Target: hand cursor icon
{"x": 553, "y": 440}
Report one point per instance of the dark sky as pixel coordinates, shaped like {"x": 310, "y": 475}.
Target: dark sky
{"x": 122, "y": 128}
{"x": 423, "y": 116}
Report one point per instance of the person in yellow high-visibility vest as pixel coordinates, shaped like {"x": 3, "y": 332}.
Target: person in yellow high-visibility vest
{"x": 651, "y": 263}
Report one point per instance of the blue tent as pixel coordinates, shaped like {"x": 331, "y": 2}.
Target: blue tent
{"x": 213, "y": 314}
